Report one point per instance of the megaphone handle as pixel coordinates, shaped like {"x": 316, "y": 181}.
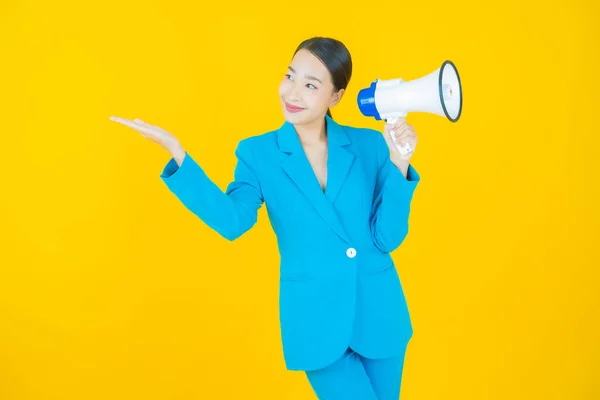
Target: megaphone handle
{"x": 403, "y": 149}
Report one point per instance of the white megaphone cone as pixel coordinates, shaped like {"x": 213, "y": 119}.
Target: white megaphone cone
{"x": 439, "y": 93}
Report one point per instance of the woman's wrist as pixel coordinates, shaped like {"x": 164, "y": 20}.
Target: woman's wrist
{"x": 177, "y": 152}
{"x": 402, "y": 165}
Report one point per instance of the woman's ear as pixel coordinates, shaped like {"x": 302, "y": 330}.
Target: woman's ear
{"x": 336, "y": 97}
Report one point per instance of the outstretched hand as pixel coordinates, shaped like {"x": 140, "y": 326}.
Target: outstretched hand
{"x": 152, "y": 132}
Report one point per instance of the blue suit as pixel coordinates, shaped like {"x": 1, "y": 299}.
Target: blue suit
{"x": 339, "y": 287}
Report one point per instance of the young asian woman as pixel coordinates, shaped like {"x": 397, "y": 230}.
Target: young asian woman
{"x": 338, "y": 198}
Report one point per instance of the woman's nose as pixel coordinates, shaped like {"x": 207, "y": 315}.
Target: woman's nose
{"x": 294, "y": 93}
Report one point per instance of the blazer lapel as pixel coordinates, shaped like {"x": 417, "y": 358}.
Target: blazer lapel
{"x": 298, "y": 168}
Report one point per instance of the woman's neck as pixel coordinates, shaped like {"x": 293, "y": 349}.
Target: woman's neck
{"x": 313, "y": 132}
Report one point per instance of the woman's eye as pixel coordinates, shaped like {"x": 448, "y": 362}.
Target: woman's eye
{"x": 309, "y": 85}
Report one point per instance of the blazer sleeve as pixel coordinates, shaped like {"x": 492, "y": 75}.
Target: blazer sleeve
{"x": 230, "y": 213}
{"x": 391, "y": 200}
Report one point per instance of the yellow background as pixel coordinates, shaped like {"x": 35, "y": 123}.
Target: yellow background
{"x": 110, "y": 288}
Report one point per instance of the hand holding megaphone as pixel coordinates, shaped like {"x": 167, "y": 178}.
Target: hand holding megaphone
{"x": 401, "y": 138}
{"x": 400, "y": 131}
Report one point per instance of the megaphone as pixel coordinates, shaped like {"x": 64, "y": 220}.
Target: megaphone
{"x": 438, "y": 93}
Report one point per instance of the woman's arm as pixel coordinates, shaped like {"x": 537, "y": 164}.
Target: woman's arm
{"x": 391, "y": 200}
{"x": 230, "y": 213}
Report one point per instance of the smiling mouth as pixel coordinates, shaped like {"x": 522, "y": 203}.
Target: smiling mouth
{"x": 288, "y": 105}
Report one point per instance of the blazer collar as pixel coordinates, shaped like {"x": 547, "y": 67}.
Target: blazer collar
{"x": 298, "y": 168}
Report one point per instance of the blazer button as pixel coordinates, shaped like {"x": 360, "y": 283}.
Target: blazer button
{"x": 351, "y": 252}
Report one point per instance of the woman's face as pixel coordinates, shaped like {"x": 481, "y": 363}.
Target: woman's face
{"x": 307, "y": 84}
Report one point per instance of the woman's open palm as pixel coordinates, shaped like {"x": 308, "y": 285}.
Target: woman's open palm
{"x": 152, "y": 132}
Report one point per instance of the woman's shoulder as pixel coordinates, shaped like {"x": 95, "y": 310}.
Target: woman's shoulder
{"x": 260, "y": 145}
{"x": 364, "y": 136}
{"x": 257, "y": 139}
{"x": 360, "y": 130}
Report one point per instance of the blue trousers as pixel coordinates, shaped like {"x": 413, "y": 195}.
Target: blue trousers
{"x": 354, "y": 377}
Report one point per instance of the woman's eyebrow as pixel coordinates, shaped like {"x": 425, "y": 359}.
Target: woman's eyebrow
{"x": 306, "y": 76}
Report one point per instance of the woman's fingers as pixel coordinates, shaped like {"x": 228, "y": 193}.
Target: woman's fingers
{"x": 122, "y": 120}
{"x": 132, "y": 124}
{"x": 153, "y": 128}
{"x": 140, "y": 122}
{"x": 400, "y": 126}
{"x": 401, "y": 133}
{"x": 406, "y": 138}
{"x": 400, "y": 123}
{"x": 154, "y": 133}
{"x": 125, "y": 121}
{"x": 408, "y": 135}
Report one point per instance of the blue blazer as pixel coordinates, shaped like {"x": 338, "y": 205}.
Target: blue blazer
{"x": 338, "y": 283}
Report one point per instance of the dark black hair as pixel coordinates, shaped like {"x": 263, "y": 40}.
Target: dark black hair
{"x": 334, "y": 55}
